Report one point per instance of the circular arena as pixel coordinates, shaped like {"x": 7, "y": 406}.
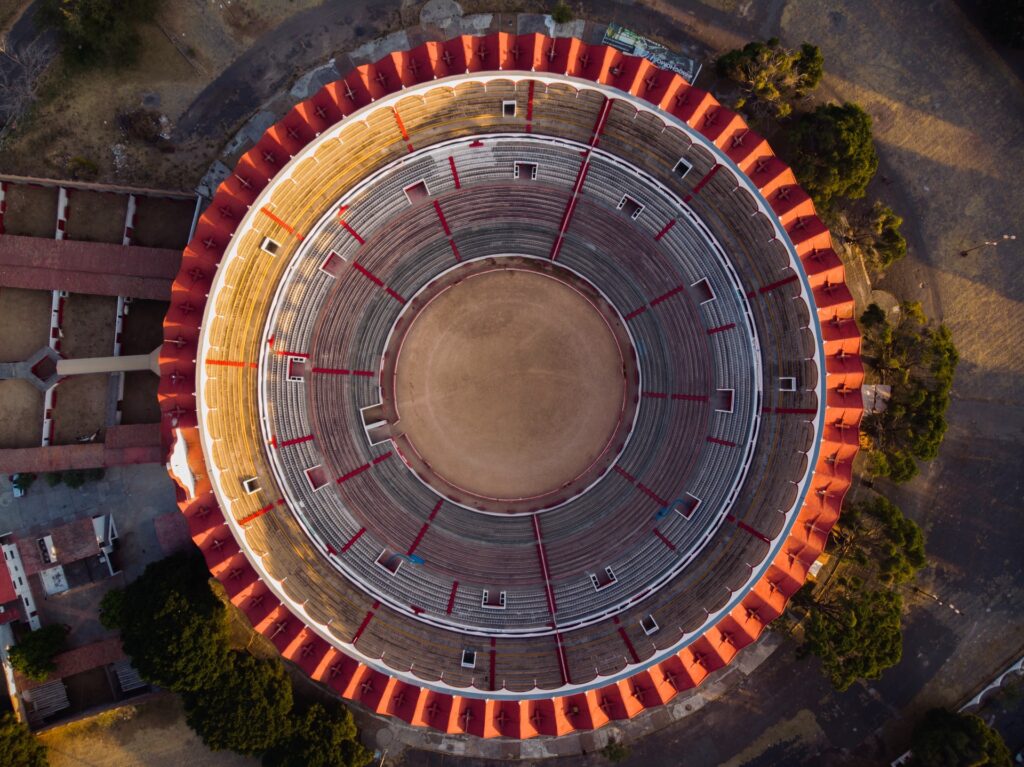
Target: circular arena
{"x": 511, "y": 385}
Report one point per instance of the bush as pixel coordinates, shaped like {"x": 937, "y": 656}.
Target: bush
{"x": 34, "y": 655}
{"x": 948, "y": 739}
{"x": 172, "y": 624}
{"x": 834, "y": 152}
{"x": 98, "y": 32}
{"x": 321, "y": 737}
{"x": 561, "y": 13}
{"x": 614, "y": 751}
{"x": 23, "y": 481}
{"x": 19, "y": 746}
{"x": 142, "y": 124}
{"x": 771, "y": 76}
{"x": 888, "y": 541}
{"x": 244, "y": 708}
{"x": 888, "y": 244}
{"x": 112, "y": 609}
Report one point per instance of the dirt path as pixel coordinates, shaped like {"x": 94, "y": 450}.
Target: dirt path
{"x": 153, "y": 733}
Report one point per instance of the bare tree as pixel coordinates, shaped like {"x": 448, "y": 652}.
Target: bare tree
{"x": 21, "y": 79}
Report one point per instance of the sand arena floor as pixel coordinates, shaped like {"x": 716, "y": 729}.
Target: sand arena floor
{"x": 510, "y": 384}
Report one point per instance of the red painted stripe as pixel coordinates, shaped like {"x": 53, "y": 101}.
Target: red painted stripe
{"x": 353, "y": 473}
{"x": 343, "y": 372}
{"x": 419, "y": 537}
{"x": 377, "y": 281}
{"x": 544, "y": 568}
{"x": 255, "y": 515}
{"x": 494, "y": 658}
{"x": 381, "y": 458}
{"x": 724, "y": 442}
{"x": 365, "y": 623}
{"x": 665, "y": 230}
{"x": 563, "y": 664}
{"x": 646, "y": 490}
{"x": 601, "y": 120}
{"x": 700, "y": 184}
{"x": 797, "y": 410}
{"x": 437, "y": 508}
{"x": 654, "y": 394}
{"x": 230, "y": 363}
{"x": 401, "y": 127}
{"x": 440, "y": 215}
{"x": 287, "y": 227}
{"x": 296, "y": 441}
{"x": 720, "y": 328}
{"x": 780, "y": 283}
{"x": 529, "y": 102}
{"x": 570, "y": 206}
{"x": 395, "y": 295}
{"x": 629, "y": 645}
{"x": 451, "y": 598}
{"x": 625, "y": 474}
{"x": 636, "y": 312}
{"x": 744, "y": 526}
{"x": 352, "y": 231}
{"x": 674, "y": 292}
{"x": 455, "y": 250}
{"x": 351, "y": 541}
{"x": 691, "y": 397}
{"x": 664, "y": 540}
{"x": 455, "y": 172}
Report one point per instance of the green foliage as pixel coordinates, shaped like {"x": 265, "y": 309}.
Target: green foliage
{"x": 245, "y": 708}
{"x": 320, "y": 737}
{"x": 98, "y": 32}
{"x": 772, "y": 76}
{"x": 112, "y": 609}
{"x": 561, "y": 13}
{"x": 919, "y": 361}
{"x": 54, "y": 478}
{"x": 19, "y": 746}
{"x": 886, "y": 540}
{"x": 614, "y": 751}
{"x": 23, "y": 480}
{"x": 173, "y": 625}
{"x": 948, "y": 739}
{"x": 833, "y": 152}
{"x": 856, "y": 633}
{"x": 872, "y": 316}
{"x": 34, "y": 655}
{"x": 1004, "y": 19}
{"x": 74, "y": 477}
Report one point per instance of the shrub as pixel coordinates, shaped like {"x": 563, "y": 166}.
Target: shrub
{"x": 112, "y": 609}
{"x": 614, "y": 751}
{"x": 320, "y": 737}
{"x": 834, "y": 152}
{"x": 948, "y": 739}
{"x": 771, "y": 76}
{"x": 34, "y": 655}
{"x": 561, "y": 13}
{"x": 244, "y": 708}
{"x": 19, "y": 746}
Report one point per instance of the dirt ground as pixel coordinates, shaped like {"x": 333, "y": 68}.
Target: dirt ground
{"x": 143, "y": 327}
{"x": 75, "y": 122}
{"x": 31, "y": 210}
{"x": 162, "y": 222}
{"x": 509, "y": 384}
{"x": 21, "y": 417}
{"x": 96, "y": 216}
{"x": 88, "y": 326}
{"x": 25, "y": 319}
{"x": 140, "y": 403}
{"x": 81, "y": 407}
{"x": 152, "y": 733}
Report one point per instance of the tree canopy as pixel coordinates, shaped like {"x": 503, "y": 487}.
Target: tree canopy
{"x": 320, "y": 737}
{"x": 34, "y": 654}
{"x": 19, "y": 746}
{"x": 885, "y": 540}
{"x": 919, "y": 362}
{"x": 245, "y": 709}
{"x": 947, "y": 739}
{"x": 98, "y": 32}
{"x": 172, "y": 624}
{"x": 856, "y": 633}
{"x": 771, "y": 76}
{"x": 833, "y": 152}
